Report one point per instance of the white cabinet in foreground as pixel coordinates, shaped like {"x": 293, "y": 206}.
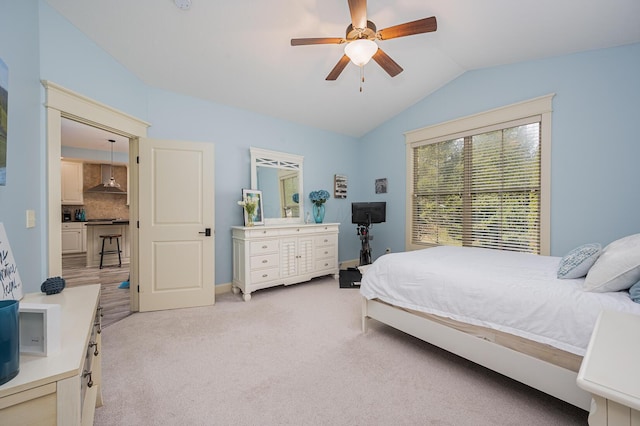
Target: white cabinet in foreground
{"x": 607, "y": 370}
{"x": 268, "y": 256}
{"x": 63, "y": 388}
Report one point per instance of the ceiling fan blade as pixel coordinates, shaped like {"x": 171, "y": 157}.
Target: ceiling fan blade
{"x": 335, "y": 72}
{"x": 358, "y": 9}
{"x": 388, "y": 64}
{"x": 320, "y": 40}
{"x": 420, "y": 26}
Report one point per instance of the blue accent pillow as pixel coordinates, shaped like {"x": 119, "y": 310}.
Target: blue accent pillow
{"x": 578, "y": 261}
{"x": 634, "y": 292}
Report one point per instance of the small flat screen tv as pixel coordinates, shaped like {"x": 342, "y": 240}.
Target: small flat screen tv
{"x": 368, "y": 213}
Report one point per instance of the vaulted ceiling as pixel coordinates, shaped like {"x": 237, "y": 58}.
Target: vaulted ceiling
{"x": 238, "y": 53}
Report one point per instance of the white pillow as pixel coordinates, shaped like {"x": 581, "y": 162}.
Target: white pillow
{"x": 578, "y": 261}
{"x": 617, "y": 268}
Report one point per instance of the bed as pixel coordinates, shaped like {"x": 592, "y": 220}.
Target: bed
{"x": 504, "y": 310}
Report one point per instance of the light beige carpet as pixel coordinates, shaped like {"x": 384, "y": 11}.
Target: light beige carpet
{"x": 296, "y": 356}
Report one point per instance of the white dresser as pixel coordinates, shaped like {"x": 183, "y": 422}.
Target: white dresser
{"x": 267, "y": 256}
{"x": 63, "y": 388}
{"x": 608, "y": 370}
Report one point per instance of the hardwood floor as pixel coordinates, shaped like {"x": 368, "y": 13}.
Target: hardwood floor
{"x": 114, "y": 300}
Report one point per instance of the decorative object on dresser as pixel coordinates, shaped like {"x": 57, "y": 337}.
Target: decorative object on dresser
{"x": 252, "y": 206}
{"x": 282, "y": 255}
{"x": 52, "y": 285}
{"x": 318, "y": 198}
{"x": 10, "y": 282}
{"x": 10, "y": 338}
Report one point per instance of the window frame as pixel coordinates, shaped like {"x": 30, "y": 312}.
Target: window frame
{"x": 485, "y": 121}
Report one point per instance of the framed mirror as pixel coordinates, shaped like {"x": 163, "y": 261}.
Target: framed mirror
{"x": 279, "y": 176}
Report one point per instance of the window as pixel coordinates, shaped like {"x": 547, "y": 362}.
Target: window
{"x": 481, "y": 186}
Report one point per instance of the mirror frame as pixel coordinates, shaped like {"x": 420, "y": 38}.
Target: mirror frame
{"x": 278, "y": 160}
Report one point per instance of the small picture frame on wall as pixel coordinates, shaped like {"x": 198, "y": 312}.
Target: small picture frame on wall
{"x": 381, "y": 186}
{"x": 340, "y": 186}
{"x": 253, "y": 195}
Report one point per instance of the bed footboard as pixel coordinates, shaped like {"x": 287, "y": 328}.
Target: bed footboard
{"x": 544, "y": 376}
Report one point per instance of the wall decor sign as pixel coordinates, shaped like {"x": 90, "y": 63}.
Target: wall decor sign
{"x": 381, "y": 186}
{"x": 10, "y": 283}
{"x": 4, "y": 108}
{"x": 340, "y": 186}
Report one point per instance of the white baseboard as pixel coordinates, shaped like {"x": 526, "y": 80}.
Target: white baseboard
{"x": 352, "y": 263}
{"x": 223, "y": 288}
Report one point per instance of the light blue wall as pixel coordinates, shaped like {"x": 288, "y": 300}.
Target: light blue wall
{"x": 25, "y": 188}
{"x": 595, "y": 151}
{"x": 595, "y": 142}
{"x": 37, "y": 43}
{"x": 72, "y": 60}
{"x": 234, "y": 131}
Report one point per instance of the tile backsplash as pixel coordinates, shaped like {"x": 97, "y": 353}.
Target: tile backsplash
{"x": 101, "y": 206}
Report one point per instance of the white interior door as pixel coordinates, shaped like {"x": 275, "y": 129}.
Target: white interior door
{"x": 176, "y": 208}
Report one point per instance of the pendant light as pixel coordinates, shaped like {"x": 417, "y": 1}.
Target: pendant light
{"x": 111, "y": 183}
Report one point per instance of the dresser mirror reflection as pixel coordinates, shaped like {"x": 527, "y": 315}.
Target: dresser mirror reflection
{"x": 279, "y": 176}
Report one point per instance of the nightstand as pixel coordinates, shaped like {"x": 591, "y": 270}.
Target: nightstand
{"x": 608, "y": 370}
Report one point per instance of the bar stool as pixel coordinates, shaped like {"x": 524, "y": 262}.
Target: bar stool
{"x": 103, "y": 251}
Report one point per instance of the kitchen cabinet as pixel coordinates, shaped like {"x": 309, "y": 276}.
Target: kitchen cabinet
{"x": 74, "y": 237}
{"x": 65, "y": 387}
{"x": 268, "y": 256}
{"x": 72, "y": 183}
{"x": 94, "y": 242}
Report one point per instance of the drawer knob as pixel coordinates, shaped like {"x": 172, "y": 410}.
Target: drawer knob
{"x": 265, "y": 275}
{"x": 265, "y": 261}
{"x": 264, "y": 247}
{"x": 90, "y": 381}
{"x": 99, "y": 325}
{"x": 94, "y": 344}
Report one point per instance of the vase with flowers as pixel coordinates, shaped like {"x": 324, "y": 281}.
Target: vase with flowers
{"x": 249, "y": 204}
{"x": 318, "y": 198}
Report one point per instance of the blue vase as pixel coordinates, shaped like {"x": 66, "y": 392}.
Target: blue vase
{"x": 10, "y": 338}
{"x": 318, "y": 212}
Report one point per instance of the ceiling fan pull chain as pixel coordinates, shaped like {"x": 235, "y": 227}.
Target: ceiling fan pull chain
{"x": 361, "y": 77}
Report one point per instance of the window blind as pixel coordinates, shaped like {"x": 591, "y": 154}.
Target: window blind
{"x": 479, "y": 190}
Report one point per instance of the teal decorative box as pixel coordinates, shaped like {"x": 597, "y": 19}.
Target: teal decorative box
{"x": 9, "y": 340}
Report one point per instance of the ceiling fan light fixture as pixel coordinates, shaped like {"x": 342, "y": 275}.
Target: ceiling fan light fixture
{"x": 361, "y": 51}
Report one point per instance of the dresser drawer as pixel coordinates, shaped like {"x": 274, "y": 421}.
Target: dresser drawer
{"x": 328, "y": 264}
{"x": 325, "y": 240}
{"x": 264, "y": 246}
{"x": 263, "y": 275}
{"x": 265, "y": 261}
{"x": 261, "y": 232}
{"x": 325, "y": 252}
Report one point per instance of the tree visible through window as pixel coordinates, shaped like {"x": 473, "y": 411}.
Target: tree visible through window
{"x": 480, "y": 190}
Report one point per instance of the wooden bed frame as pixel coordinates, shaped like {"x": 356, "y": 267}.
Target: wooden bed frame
{"x": 542, "y": 375}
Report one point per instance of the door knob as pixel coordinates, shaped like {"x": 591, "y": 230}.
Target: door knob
{"x": 207, "y": 232}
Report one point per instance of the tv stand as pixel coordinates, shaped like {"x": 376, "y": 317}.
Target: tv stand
{"x": 365, "y": 237}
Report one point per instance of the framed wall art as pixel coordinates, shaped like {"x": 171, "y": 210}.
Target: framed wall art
{"x": 4, "y": 108}
{"x": 340, "y": 186}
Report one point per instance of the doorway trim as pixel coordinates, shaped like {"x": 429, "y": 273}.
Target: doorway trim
{"x": 61, "y": 102}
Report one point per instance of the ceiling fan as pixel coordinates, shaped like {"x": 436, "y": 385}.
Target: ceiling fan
{"x": 361, "y": 37}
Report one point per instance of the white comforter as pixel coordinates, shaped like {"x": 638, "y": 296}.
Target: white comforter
{"x": 517, "y": 293}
